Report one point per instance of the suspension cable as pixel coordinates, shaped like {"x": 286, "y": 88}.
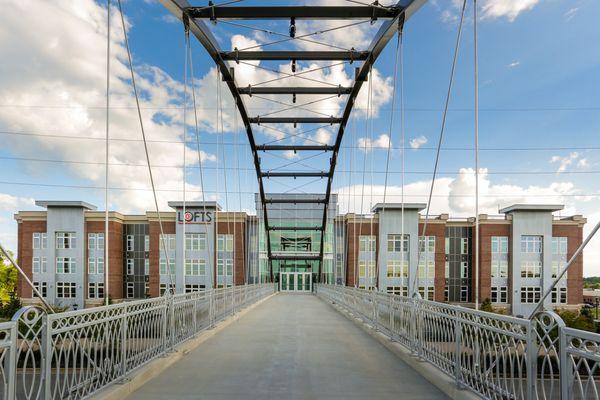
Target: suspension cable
{"x": 476, "y": 78}
{"x": 139, "y": 112}
{"x": 441, "y": 136}
{"x": 106, "y": 167}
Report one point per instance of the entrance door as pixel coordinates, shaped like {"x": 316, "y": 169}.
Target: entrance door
{"x": 295, "y": 281}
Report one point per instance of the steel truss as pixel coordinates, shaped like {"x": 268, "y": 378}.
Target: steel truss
{"x": 393, "y": 17}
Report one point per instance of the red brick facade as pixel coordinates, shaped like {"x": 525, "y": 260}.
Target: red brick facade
{"x": 25, "y": 252}
{"x": 486, "y": 231}
{"x": 353, "y": 231}
{"x": 238, "y": 229}
{"x": 574, "y": 236}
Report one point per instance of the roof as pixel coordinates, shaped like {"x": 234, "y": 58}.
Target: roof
{"x": 58, "y": 203}
{"x": 532, "y": 207}
{"x": 398, "y": 206}
{"x": 195, "y": 204}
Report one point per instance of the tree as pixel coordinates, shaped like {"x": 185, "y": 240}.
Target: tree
{"x": 486, "y": 306}
{"x": 8, "y": 279}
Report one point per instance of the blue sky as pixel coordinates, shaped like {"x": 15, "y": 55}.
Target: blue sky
{"x": 539, "y": 90}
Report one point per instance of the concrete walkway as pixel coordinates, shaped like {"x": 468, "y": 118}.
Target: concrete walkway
{"x": 290, "y": 347}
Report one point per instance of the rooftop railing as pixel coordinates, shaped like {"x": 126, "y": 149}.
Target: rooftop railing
{"x": 74, "y": 354}
{"x": 495, "y": 356}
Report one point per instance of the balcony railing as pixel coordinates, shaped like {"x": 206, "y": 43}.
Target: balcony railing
{"x": 72, "y": 355}
{"x": 496, "y": 356}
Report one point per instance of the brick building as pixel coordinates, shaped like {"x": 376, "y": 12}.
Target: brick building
{"x": 520, "y": 252}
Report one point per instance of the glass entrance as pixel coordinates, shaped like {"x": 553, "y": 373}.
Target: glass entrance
{"x": 295, "y": 282}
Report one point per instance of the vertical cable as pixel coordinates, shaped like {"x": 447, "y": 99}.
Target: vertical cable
{"x": 403, "y": 149}
{"x": 476, "y": 64}
{"x": 107, "y": 144}
{"x": 185, "y": 104}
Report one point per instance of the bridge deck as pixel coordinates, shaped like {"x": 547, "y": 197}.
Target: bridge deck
{"x": 292, "y": 347}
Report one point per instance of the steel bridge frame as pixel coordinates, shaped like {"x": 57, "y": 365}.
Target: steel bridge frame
{"x": 394, "y": 18}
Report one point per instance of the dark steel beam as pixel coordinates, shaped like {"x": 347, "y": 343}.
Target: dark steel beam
{"x": 294, "y": 120}
{"x": 295, "y": 228}
{"x": 298, "y": 12}
{"x": 298, "y": 174}
{"x": 294, "y": 201}
{"x": 294, "y": 55}
{"x": 295, "y": 257}
{"x": 274, "y": 147}
{"x": 339, "y": 90}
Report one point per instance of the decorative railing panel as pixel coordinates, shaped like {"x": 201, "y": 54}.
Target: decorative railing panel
{"x": 495, "y": 356}
{"x": 74, "y": 354}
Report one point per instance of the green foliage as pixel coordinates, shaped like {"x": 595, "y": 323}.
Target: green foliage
{"x": 591, "y": 282}
{"x": 8, "y": 280}
{"x": 486, "y": 306}
{"x": 582, "y": 320}
{"x": 10, "y": 307}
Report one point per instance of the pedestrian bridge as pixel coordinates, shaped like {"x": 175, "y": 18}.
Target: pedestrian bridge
{"x": 252, "y": 342}
{"x": 290, "y": 347}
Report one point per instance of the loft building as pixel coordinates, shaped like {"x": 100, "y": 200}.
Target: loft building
{"x": 392, "y": 249}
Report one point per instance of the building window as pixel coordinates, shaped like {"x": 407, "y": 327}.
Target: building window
{"x": 464, "y": 245}
{"x": 224, "y": 242}
{"x": 395, "y": 243}
{"x": 499, "y": 294}
{"x": 426, "y": 292}
{"x": 464, "y": 269}
{"x": 65, "y": 240}
{"x": 100, "y": 265}
{"x": 447, "y": 269}
{"x": 91, "y": 265}
{"x": 447, "y": 246}
{"x": 362, "y": 269}
{"x": 44, "y": 265}
{"x": 531, "y": 244}
{"x": 40, "y": 240}
{"x": 559, "y": 254}
{"x": 65, "y": 265}
{"x": 227, "y": 264}
{"x": 41, "y": 287}
{"x": 36, "y": 265}
{"x": 195, "y": 267}
{"x": 367, "y": 243}
{"x": 191, "y": 288}
{"x": 530, "y": 294}
{"x": 163, "y": 288}
{"x": 446, "y": 293}
{"x": 96, "y": 241}
{"x": 168, "y": 241}
{"x": 464, "y": 293}
{"x": 196, "y": 241}
{"x": 163, "y": 266}
{"x": 531, "y": 269}
{"x": 95, "y": 290}
{"x": 130, "y": 243}
{"x": 146, "y": 267}
{"x": 398, "y": 290}
{"x": 130, "y": 290}
{"x": 397, "y": 269}
{"x": 66, "y": 290}
{"x": 130, "y": 266}
{"x": 146, "y": 242}
{"x": 559, "y": 295}
{"x": 147, "y": 289}
{"x": 499, "y": 264}
{"x": 427, "y": 244}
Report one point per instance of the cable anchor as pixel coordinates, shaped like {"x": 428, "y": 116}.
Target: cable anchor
{"x": 292, "y": 27}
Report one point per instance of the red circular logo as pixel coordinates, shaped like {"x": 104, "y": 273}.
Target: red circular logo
{"x": 188, "y": 216}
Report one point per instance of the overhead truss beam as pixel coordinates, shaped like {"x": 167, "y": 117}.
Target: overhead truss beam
{"x": 294, "y": 120}
{"x": 295, "y": 201}
{"x": 294, "y": 55}
{"x": 298, "y": 12}
{"x": 339, "y": 90}
{"x": 300, "y": 174}
{"x": 294, "y": 148}
{"x": 308, "y": 257}
{"x": 296, "y": 228}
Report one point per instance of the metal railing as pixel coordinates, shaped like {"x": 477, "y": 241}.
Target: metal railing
{"x": 74, "y": 354}
{"x": 495, "y": 356}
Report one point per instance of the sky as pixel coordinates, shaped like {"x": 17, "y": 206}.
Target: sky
{"x": 539, "y": 117}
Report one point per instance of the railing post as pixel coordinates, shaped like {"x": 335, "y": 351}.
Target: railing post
{"x": 375, "y": 313}
{"x": 195, "y": 313}
{"x": 124, "y": 341}
{"x": 173, "y": 322}
{"x": 565, "y": 370}
{"x": 457, "y": 352}
{"x": 10, "y": 363}
{"x": 165, "y": 324}
{"x": 211, "y": 308}
{"x": 532, "y": 352}
{"x": 46, "y": 362}
{"x": 392, "y": 319}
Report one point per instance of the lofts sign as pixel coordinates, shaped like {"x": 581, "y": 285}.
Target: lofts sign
{"x": 195, "y": 217}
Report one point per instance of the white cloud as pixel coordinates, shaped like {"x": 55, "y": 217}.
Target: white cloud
{"x": 366, "y": 144}
{"x": 571, "y": 13}
{"x": 417, "y": 142}
{"x": 509, "y": 9}
{"x": 565, "y": 161}
{"x": 170, "y": 19}
{"x": 514, "y": 64}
